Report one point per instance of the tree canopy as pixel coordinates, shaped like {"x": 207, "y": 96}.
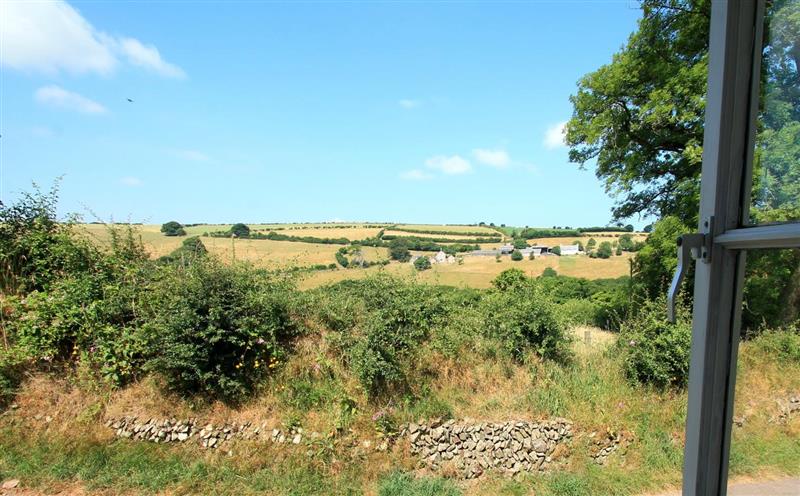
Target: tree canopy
{"x": 172, "y": 228}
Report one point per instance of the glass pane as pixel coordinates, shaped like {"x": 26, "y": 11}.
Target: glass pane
{"x": 776, "y": 175}
{"x": 766, "y": 413}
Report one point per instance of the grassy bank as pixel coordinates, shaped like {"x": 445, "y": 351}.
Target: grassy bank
{"x": 74, "y": 449}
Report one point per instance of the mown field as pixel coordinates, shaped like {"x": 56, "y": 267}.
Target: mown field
{"x": 478, "y": 272}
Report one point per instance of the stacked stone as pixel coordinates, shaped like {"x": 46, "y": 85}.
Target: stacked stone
{"x": 509, "y": 447}
{"x": 788, "y": 408}
{"x": 178, "y": 431}
{"x": 605, "y": 445}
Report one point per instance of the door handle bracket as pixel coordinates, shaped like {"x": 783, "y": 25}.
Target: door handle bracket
{"x": 695, "y": 246}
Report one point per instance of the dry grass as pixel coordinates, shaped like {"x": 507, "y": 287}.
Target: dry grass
{"x": 351, "y": 233}
{"x": 592, "y": 393}
{"x": 478, "y": 272}
{"x": 268, "y": 253}
{"x": 448, "y": 228}
{"x": 450, "y": 235}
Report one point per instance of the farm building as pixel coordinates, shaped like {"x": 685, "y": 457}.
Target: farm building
{"x": 536, "y": 251}
{"x": 569, "y": 250}
{"x": 440, "y": 257}
{"x": 506, "y": 249}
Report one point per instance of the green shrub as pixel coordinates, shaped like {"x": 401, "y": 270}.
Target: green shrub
{"x": 780, "y": 344}
{"x": 37, "y": 249}
{"x": 397, "y": 317}
{"x": 190, "y": 250}
{"x": 422, "y": 263}
{"x": 549, "y": 272}
{"x": 556, "y": 250}
{"x": 218, "y": 329}
{"x": 604, "y": 250}
{"x": 525, "y": 319}
{"x": 655, "y": 351}
{"x": 579, "y": 312}
{"x": 516, "y": 256}
{"x": 511, "y": 279}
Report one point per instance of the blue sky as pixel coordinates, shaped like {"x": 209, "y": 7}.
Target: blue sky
{"x": 304, "y": 111}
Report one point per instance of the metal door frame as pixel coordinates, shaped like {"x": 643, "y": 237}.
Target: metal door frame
{"x": 731, "y": 110}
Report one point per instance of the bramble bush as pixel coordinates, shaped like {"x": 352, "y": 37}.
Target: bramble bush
{"x": 655, "y": 351}
{"x": 218, "y": 328}
{"x": 523, "y": 318}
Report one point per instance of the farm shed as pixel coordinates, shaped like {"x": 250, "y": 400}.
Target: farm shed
{"x": 569, "y": 250}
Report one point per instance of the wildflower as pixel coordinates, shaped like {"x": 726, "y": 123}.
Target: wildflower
{"x": 260, "y": 341}
{"x": 632, "y": 343}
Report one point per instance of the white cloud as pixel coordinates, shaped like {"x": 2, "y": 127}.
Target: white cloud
{"x": 409, "y": 104}
{"x": 494, "y": 158}
{"x": 61, "y": 98}
{"x": 449, "y": 165}
{"x": 147, "y": 56}
{"x": 415, "y": 175}
{"x": 193, "y": 155}
{"x": 554, "y": 136}
{"x": 131, "y": 181}
{"x": 51, "y": 36}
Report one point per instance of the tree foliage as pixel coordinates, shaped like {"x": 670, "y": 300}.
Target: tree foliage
{"x": 641, "y": 116}
{"x": 172, "y": 228}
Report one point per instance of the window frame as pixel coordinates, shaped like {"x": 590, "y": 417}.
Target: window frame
{"x": 735, "y": 49}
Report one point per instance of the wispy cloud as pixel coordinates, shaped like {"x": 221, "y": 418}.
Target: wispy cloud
{"x": 147, "y": 56}
{"x": 192, "y": 155}
{"x": 409, "y": 103}
{"x": 493, "y": 158}
{"x": 57, "y": 96}
{"x": 52, "y": 37}
{"x": 131, "y": 181}
{"x": 416, "y": 175}
{"x": 554, "y": 136}
{"x": 451, "y": 165}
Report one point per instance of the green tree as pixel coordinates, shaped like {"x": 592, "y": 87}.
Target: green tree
{"x": 172, "y": 228}
{"x": 240, "y": 230}
{"x": 641, "y": 116}
{"x": 604, "y": 250}
{"x": 422, "y": 263}
{"x": 516, "y": 255}
{"x": 520, "y": 243}
{"x": 591, "y": 244}
{"x": 556, "y": 250}
{"x": 398, "y": 250}
{"x": 626, "y": 242}
{"x": 655, "y": 263}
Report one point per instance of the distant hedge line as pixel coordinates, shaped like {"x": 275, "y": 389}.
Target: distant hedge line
{"x": 435, "y": 231}
{"x": 273, "y": 236}
{"x": 389, "y": 237}
{"x": 605, "y": 229}
{"x": 418, "y": 244}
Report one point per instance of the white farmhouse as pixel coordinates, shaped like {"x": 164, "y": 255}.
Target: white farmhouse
{"x": 440, "y": 257}
{"x": 569, "y": 250}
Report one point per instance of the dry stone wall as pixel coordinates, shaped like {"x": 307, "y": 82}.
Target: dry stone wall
{"x": 207, "y": 435}
{"x": 477, "y": 447}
